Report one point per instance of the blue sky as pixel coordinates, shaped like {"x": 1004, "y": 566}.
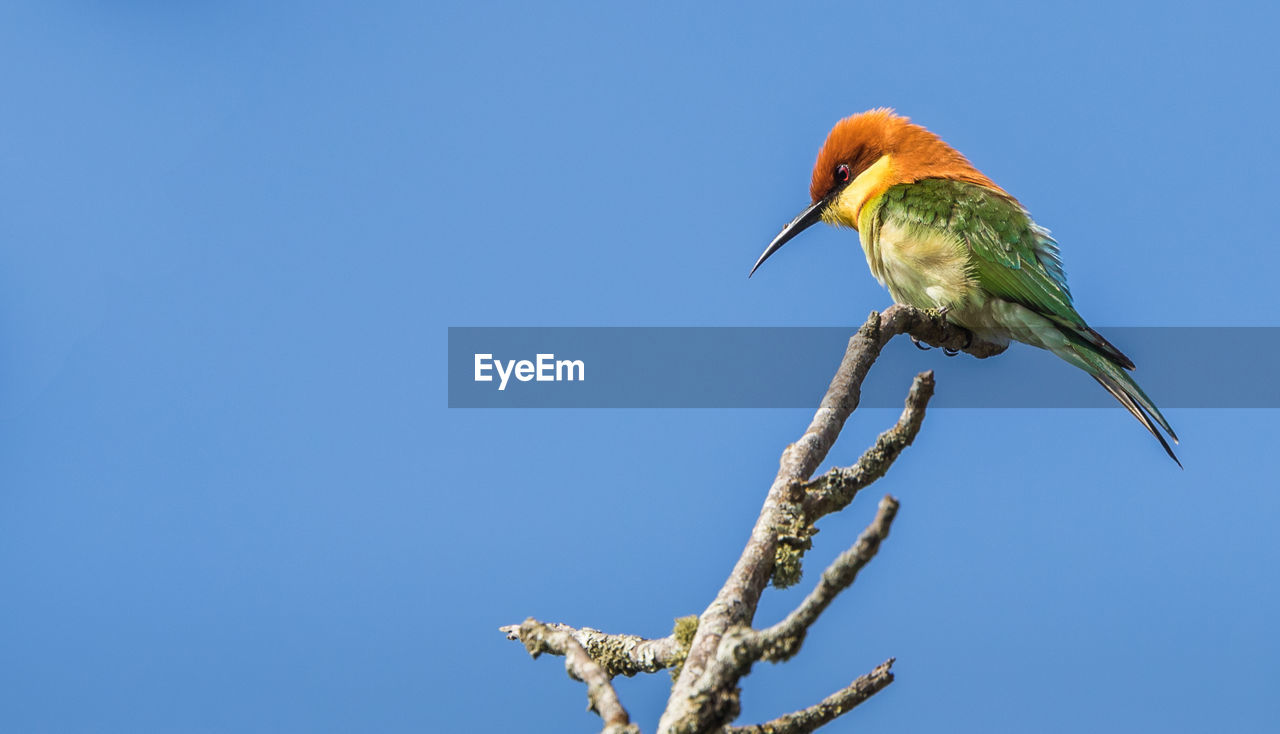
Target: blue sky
{"x": 232, "y": 497}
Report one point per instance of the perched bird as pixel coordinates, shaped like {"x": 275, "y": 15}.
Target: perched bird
{"x": 941, "y": 235}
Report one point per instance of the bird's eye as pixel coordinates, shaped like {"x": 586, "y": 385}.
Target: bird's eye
{"x": 842, "y": 173}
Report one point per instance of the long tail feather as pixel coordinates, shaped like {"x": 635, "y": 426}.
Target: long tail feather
{"x": 1125, "y": 390}
{"x": 1118, "y": 392}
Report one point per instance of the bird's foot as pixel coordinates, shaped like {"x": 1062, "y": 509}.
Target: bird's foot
{"x": 920, "y": 345}
{"x": 968, "y": 342}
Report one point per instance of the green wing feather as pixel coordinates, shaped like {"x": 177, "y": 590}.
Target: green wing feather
{"x": 1013, "y": 258}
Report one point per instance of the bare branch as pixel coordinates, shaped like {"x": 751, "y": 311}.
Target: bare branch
{"x": 705, "y": 694}
{"x": 539, "y": 638}
{"x": 834, "y": 490}
{"x": 709, "y": 654}
{"x": 837, "y": 704}
{"x": 617, "y": 654}
{"x": 783, "y": 639}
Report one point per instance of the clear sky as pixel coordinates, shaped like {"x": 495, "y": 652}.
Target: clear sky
{"x": 232, "y": 237}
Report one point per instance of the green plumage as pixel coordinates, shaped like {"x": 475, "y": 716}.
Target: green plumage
{"x": 974, "y": 251}
{"x": 1012, "y": 258}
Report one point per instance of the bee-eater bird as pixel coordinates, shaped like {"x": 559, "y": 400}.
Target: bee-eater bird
{"x": 941, "y": 235}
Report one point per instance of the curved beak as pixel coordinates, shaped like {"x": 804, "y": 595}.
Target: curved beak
{"x": 807, "y": 218}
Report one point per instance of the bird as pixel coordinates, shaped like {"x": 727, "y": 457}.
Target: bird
{"x": 942, "y": 236}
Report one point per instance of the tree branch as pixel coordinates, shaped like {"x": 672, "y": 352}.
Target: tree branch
{"x": 539, "y": 638}
{"x": 837, "y": 704}
{"x": 697, "y": 702}
{"x": 708, "y": 655}
{"x": 617, "y": 654}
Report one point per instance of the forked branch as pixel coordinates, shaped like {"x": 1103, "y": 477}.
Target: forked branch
{"x": 695, "y": 703}
{"x": 712, "y": 656}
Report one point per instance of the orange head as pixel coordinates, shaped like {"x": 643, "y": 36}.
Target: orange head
{"x": 858, "y": 142}
{"x": 863, "y": 156}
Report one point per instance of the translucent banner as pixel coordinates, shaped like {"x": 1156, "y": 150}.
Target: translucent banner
{"x": 756, "y": 367}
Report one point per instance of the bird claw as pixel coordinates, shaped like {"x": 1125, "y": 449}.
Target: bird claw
{"x": 968, "y": 342}
{"x": 919, "y": 345}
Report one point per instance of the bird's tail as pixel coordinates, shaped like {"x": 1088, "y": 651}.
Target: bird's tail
{"x": 1122, "y": 387}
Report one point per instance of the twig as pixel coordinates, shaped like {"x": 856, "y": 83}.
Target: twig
{"x": 539, "y": 638}
{"x": 783, "y": 639}
{"x": 834, "y": 490}
{"x": 838, "y": 703}
{"x": 617, "y": 654}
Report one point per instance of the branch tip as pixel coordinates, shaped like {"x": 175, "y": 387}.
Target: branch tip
{"x": 827, "y": 710}
{"x": 601, "y": 697}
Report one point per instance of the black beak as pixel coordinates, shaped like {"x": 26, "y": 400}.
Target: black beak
{"x": 807, "y": 219}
